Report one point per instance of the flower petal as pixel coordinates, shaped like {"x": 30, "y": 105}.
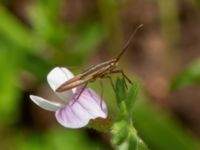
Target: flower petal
{"x": 56, "y": 78}
{"x": 45, "y": 104}
{"x": 78, "y": 114}
{"x": 93, "y": 103}
{"x": 72, "y": 119}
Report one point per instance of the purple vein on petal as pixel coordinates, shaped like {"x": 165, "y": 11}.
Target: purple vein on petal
{"x": 78, "y": 115}
{"x": 97, "y": 100}
{"x": 81, "y": 112}
{"x": 82, "y": 98}
{"x": 91, "y": 106}
{"x": 66, "y": 111}
{"x": 75, "y": 114}
{"x": 95, "y": 97}
{"x": 75, "y": 119}
{"x": 71, "y": 119}
{"x": 63, "y": 116}
{"x": 85, "y": 109}
{"x": 59, "y": 115}
{"x": 92, "y": 95}
{"x": 92, "y": 100}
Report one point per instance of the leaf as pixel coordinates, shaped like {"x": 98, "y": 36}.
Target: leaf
{"x": 120, "y": 90}
{"x": 120, "y": 132}
{"x": 141, "y": 145}
{"x": 190, "y": 76}
{"x": 124, "y": 134}
{"x": 132, "y": 143}
{"x": 132, "y": 95}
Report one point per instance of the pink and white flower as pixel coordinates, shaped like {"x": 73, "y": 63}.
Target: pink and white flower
{"x": 70, "y": 113}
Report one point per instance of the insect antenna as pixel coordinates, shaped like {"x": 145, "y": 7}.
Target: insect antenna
{"x": 128, "y": 42}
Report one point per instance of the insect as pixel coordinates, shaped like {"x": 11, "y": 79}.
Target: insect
{"x": 102, "y": 70}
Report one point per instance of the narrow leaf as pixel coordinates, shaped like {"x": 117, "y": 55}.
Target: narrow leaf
{"x": 120, "y": 90}
{"x": 132, "y": 95}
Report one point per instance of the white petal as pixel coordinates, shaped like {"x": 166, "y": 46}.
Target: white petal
{"x": 45, "y": 104}
{"x": 56, "y": 78}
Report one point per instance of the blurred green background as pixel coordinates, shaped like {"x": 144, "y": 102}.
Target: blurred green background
{"x": 37, "y": 35}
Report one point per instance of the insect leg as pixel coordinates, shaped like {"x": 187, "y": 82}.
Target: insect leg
{"x": 101, "y": 101}
{"x": 111, "y": 81}
{"x": 123, "y": 74}
{"x": 125, "y": 82}
{"x": 77, "y": 96}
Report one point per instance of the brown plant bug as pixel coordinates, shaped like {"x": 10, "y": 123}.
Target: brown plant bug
{"x": 102, "y": 70}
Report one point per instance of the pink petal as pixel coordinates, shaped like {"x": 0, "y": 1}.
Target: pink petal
{"x": 72, "y": 119}
{"x": 78, "y": 114}
{"x": 56, "y": 78}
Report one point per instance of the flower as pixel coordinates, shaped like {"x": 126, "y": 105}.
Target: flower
{"x": 69, "y": 112}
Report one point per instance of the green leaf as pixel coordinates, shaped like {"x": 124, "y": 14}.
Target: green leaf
{"x": 120, "y": 90}
{"x": 190, "y": 76}
{"x": 141, "y": 145}
{"x": 132, "y": 95}
{"x": 132, "y": 143}
{"x": 120, "y": 132}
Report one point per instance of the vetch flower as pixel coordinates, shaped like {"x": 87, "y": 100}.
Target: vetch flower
{"x": 69, "y": 112}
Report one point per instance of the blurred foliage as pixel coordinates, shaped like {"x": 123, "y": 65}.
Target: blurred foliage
{"x": 188, "y": 77}
{"x": 159, "y": 130}
{"x": 198, "y": 3}
{"x": 57, "y": 138}
{"x": 14, "y": 31}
